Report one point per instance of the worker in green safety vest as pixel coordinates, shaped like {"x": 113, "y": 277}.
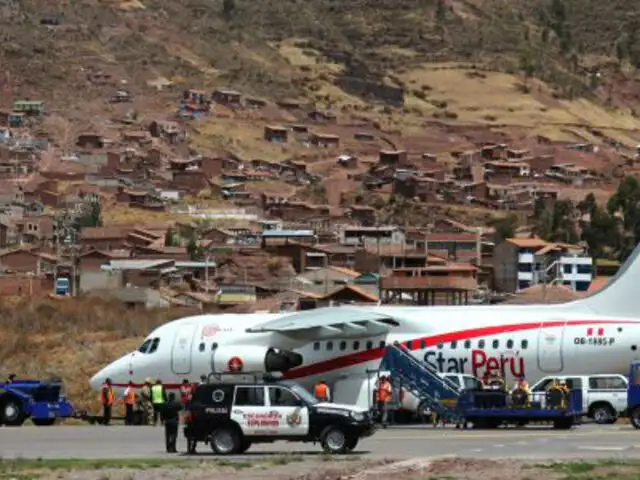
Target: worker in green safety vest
{"x": 158, "y": 399}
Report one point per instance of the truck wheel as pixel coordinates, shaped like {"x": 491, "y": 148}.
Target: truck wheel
{"x": 225, "y": 441}
{"x": 634, "y": 418}
{"x": 335, "y": 441}
{"x": 602, "y": 414}
{"x": 43, "y": 422}
{"x": 563, "y": 423}
{"x": 12, "y": 413}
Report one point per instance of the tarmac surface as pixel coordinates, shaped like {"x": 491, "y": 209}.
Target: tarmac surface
{"x": 99, "y": 442}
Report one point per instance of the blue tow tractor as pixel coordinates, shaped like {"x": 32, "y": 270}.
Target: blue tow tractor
{"x": 41, "y": 402}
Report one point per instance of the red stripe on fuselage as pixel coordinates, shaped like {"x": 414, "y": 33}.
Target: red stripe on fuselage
{"x": 418, "y": 344}
{"x": 430, "y": 341}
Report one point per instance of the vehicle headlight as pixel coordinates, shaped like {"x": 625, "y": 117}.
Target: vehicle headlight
{"x": 358, "y": 416}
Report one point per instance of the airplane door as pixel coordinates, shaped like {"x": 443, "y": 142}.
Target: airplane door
{"x": 181, "y": 354}
{"x": 550, "y": 340}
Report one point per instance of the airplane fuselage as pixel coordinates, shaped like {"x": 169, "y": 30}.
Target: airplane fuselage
{"x": 512, "y": 341}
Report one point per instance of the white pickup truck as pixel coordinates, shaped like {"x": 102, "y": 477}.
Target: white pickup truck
{"x": 604, "y": 396}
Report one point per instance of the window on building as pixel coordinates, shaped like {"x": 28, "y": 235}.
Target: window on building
{"x": 584, "y": 269}
{"x": 582, "y": 286}
{"x": 525, "y": 267}
{"x": 567, "y": 268}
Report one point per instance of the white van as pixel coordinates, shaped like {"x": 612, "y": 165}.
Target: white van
{"x": 604, "y": 396}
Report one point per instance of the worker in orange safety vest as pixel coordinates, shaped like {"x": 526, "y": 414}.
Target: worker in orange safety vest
{"x": 321, "y": 391}
{"x": 384, "y": 395}
{"x": 106, "y": 399}
{"x": 129, "y": 403}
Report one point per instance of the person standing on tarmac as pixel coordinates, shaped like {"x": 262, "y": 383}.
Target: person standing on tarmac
{"x": 171, "y": 422}
{"x": 129, "y": 403}
{"x": 158, "y": 399}
{"x": 106, "y": 399}
{"x": 186, "y": 390}
{"x": 321, "y": 391}
{"x": 145, "y": 400}
{"x": 384, "y": 395}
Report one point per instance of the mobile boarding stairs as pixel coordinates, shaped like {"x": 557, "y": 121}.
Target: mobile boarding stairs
{"x": 440, "y": 395}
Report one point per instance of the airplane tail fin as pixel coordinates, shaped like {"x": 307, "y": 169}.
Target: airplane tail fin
{"x": 618, "y": 297}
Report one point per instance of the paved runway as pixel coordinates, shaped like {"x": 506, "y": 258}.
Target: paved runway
{"x": 96, "y": 442}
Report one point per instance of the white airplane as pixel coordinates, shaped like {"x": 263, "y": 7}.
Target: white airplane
{"x": 342, "y": 345}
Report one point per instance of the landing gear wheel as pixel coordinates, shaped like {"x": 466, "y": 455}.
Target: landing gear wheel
{"x": 225, "y": 441}
{"x": 191, "y": 446}
{"x": 245, "y": 446}
{"x": 603, "y": 415}
{"x": 352, "y": 443}
{"x": 11, "y": 413}
{"x": 634, "y": 418}
{"x": 335, "y": 441}
{"x": 44, "y": 422}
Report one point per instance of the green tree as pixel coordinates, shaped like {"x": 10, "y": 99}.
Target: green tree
{"x": 170, "y": 238}
{"x": 624, "y": 205}
{"x": 193, "y": 250}
{"x": 505, "y": 227}
{"x": 556, "y": 222}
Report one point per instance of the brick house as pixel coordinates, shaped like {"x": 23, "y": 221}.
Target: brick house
{"x": 105, "y": 238}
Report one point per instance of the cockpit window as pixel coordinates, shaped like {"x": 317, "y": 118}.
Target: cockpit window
{"x": 145, "y": 346}
{"x": 154, "y": 345}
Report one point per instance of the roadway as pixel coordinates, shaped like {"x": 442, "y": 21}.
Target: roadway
{"x": 98, "y": 442}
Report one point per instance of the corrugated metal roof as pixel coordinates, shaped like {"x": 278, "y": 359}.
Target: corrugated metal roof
{"x": 210, "y": 264}
{"x": 134, "y": 264}
{"x": 288, "y": 233}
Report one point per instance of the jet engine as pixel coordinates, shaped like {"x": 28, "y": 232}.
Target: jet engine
{"x": 251, "y": 358}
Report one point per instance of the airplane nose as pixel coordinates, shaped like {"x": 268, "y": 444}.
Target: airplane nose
{"x": 96, "y": 380}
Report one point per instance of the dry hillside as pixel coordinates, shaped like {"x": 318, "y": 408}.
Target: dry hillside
{"x": 71, "y": 339}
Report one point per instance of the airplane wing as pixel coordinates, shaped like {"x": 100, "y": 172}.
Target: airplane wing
{"x": 327, "y": 323}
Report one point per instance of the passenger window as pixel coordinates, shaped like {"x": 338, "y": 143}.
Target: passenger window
{"x": 607, "y": 383}
{"x": 509, "y": 344}
{"x": 454, "y": 344}
{"x": 343, "y": 345}
{"x": 369, "y": 345}
{"x": 467, "y": 344}
{"x": 481, "y": 344}
{"x": 145, "y": 346}
{"x": 524, "y": 344}
{"x": 382, "y": 344}
{"x": 356, "y": 345}
{"x": 440, "y": 345}
{"x": 496, "y": 344}
{"x": 282, "y": 397}
{"x": 409, "y": 344}
{"x": 249, "y": 397}
{"x": 329, "y": 346}
{"x": 201, "y": 347}
{"x": 316, "y": 346}
{"x": 214, "y": 346}
{"x": 423, "y": 344}
{"x": 154, "y": 345}
{"x": 574, "y": 383}
{"x": 543, "y": 385}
